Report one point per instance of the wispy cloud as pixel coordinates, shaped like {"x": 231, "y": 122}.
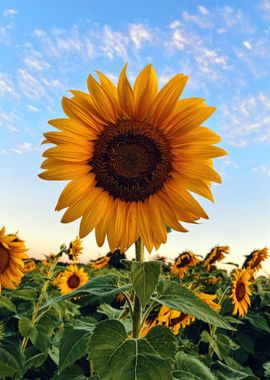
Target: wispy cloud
{"x": 262, "y": 169}
{"x": 140, "y": 34}
{"x": 30, "y": 86}
{"x": 247, "y": 120}
{"x": 32, "y": 108}
{"x": 10, "y": 12}
{"x": 7, "y": 87}
{"x": 22, "y": 148}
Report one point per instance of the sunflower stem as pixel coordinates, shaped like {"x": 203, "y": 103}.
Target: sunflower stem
{"x": 137, "y": 309}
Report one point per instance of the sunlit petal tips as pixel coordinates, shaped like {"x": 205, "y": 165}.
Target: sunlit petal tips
{"x": 132, "y": 154}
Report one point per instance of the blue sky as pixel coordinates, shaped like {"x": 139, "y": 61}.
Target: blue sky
{"x": 47, "y": 48}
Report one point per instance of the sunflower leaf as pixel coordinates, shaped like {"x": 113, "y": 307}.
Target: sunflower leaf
{"x": 117, "y": 357}
{"x": 73, "y": 346}
{"x": 104, "y": 287}
{"x": 8, "y": 364}
{"x": 144, "y": 276}
{"x": 189, "y": 367}
{"x": 181, "y": 298}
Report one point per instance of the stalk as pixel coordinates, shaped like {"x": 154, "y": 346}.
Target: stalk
{"x": 137, "y": 310}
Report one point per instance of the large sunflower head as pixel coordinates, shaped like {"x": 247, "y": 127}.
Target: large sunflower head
{"x": 240, "y": 292}
{"x": 12, "y": 255}
{"x": 254, "y": 261}
{"x": 215, "y": 255}
{"x": 183, "y": 262}
{"x": 75, "y": 249}
{"x": 72, "y": 278}
{"x": 132, "y": 156}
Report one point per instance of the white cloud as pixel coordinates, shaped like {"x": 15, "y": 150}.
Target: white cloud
{"x": 264, "y": 6}
{"x": 247, "y": 45}
{"x": 199, "y": 19}
{"x": 22, "y": 148}
{"x": 36, "y": 64}
{"x": 6, "y": 86}
{"x": 139, "y": 34}
{"x": 29, "y": 85}
{"x": 203, "y": 10}
{"x": 10, "y": 12}
{"x": 32, "y": 108}
{"x": 114, "y": 44}
{"x": 262, "y": 169}
{"x": 247, "y": 120}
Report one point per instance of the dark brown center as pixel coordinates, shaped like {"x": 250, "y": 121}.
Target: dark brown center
{"x": 73, "y": 281}
{"x": 4, "y": 258}
{"x": 131, "y": 160}
{"x": 183, "y": 262}
{"x": 240, "y": 291}
{"x": 175, "y": 321}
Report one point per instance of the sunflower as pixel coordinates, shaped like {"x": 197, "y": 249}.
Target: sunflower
{"x": 72, "y": 278}
{"x": 215, "y": 255}
{"x": 56, "y": 280}
{"x": 100, "y": 263}
{"x": 49, "y": 259}
{"x": 209, "y": 299}
{"x": 132, "y": 156}
{"x": 29, "y": 266}
{"x": 183, "y": 262}
{"x": 240, "y": 292}
{"x": 75, "y": 249}
{"x": 254, "y": 261}
{"x": 12, "y": 254}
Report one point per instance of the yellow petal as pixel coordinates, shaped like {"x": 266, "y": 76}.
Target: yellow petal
{"x": 125, "y": 94}
{"x": 166, "y": 99}
{"x": 145, "y": 90}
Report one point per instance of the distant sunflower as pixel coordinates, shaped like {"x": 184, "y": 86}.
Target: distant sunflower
{"x": 29, "y": 266}
{"x": 209, "y": 299}
{"x": 254, "y": 261}
{"x": 215, "y": 255}
{"x": 132, "y": 156}
{"x": 49, "y": 259}
{"x": 12, "y": 255}
{"x": 75, "y": 249}
{"x": 240, "y": 292}
{"x": 71, "y": 279}
{"x": 56, "y": 280}
{"x": 100, "y": 263}
{"x": 183, "y": 262}
{"x": 174, "y": 319}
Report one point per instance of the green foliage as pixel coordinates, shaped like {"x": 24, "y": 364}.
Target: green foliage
{"x": 180, "y": 298}
{"x": 189, "y": 367}
{"x": 144, "y": 276}
{"x": 117, "y": 357}
{"x": 8, "y": 364}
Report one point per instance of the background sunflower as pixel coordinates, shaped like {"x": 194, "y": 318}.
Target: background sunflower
{"x": 72, "y": 278}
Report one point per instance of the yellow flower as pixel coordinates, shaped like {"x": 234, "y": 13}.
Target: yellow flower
{"x": 100, "y": 263}
{"x": 72, "y": 278}
{"x": 132, "y": 156}
{"x": 56, "y": 280}
{"x": 49, "y": 259}
{"x": 29, "y": 266}
{"x": 254, "y": 261}
{"x": 75, "y": 249}
{"x": 183, "y": 262}
{"x": 12, "y": 254}
{"x": 240, "y": 292}
{"x": 209, "y": 299}
{"x": 215, "y": 255}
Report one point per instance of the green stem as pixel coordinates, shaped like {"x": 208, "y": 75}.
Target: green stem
{"x": 137, "y": 310}
{"x": 35, "y": 316}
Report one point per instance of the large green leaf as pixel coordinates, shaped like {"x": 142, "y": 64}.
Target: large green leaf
{"x": 8, "y": 364}
{"x": 190, "y": 367}
{"x": 259, "y": 321}
{"x": 73, "y": 346}
{"x": 117, "y": 357}
{"x": 226, "y": 372}
{"x": 7, "y": 304}
{"x": 144, "y": 276}
{"x": 74, "y": 372}
{"x": 266, "y": 367}
{"x": 25, "y": 294}
{"x": 104, "y": 287}
{"x": 26, "y": 327}
{"x": 181, "y": 298}
{"x": 34, "y": 358}
{"x": 45, "y": 328}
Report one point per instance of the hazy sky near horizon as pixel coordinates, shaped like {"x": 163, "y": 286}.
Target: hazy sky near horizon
{"x": 49, "y": 47}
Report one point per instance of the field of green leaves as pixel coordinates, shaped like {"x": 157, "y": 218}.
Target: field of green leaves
{"x": 197, "y": 321}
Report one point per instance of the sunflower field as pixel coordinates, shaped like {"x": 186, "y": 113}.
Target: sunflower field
{"x": 66, "y": 320}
